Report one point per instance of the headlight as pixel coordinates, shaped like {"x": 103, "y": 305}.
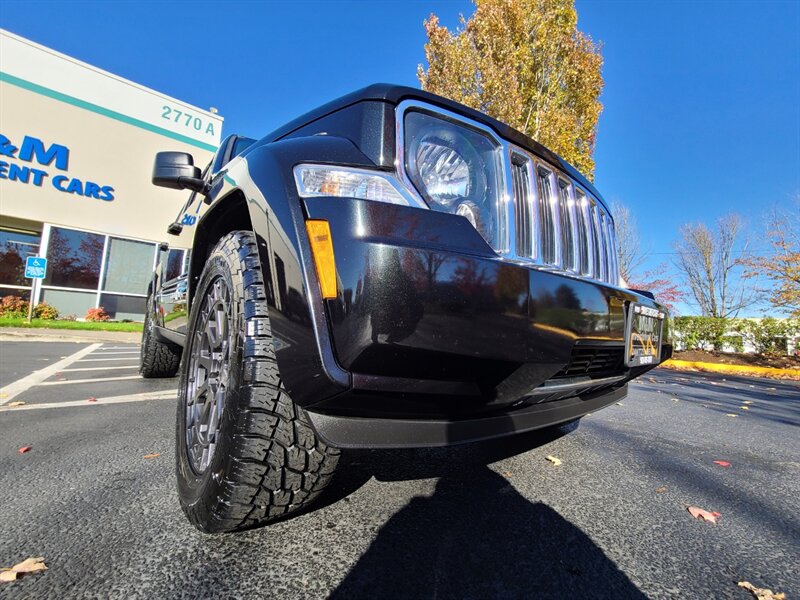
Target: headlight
{"x": 328, "y": 180}
{"x": 457, "y": 170}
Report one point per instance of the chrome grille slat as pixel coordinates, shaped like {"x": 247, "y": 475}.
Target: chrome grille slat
{"x": 585, "y": 232}
{"x": 558, "y": 225}
{"x": 523, "y": 203}
{"x": 567, "y": 226}
{"x": 547, "y": 245}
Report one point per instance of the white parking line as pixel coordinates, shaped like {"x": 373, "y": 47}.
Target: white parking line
{"x": 14, "y": 389}
{"x": 99, "y": 368}
{"x": 96, "y": 379}
{"x": 103, "y": 359}
{"x": 165, "y": 395}
{"x": 120, "y": 348}
{"x": 101, "y": 352}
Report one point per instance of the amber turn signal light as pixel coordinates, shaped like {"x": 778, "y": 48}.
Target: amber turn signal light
{"x": 319, "y": 234}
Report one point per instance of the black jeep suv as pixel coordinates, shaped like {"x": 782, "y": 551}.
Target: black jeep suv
{"x": 390, "y": 270}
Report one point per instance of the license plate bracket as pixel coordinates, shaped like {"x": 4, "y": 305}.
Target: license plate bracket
{"x": 643, "y": 332}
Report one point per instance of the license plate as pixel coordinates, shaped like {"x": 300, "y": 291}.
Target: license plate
{"x": 643, "y": 335}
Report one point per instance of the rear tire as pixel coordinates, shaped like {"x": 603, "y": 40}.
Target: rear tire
{"x": 157, "y": 359}
{"x": 246, "y": 453}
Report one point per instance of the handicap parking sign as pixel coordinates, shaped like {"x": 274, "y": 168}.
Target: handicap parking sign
{"x": 35, "y": 267}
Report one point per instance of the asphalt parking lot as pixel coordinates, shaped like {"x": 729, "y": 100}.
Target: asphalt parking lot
{"x": 491, "y": 520}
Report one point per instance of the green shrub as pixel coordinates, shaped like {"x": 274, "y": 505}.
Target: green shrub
{"x": 734, "y": 341}
{"x": 697, "y": 333}
{"x": 768, "y": 335}
{"x": 45, "y": 311}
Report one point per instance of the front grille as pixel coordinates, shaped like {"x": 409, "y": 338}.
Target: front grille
{"x": 594, "y": 362}
{"x": 558, "y": 225}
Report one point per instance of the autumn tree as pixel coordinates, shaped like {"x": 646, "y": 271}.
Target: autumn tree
{"x": 525, "y": 63}
{"x": 632, "y": 256}
{"x": 781, "y": 265}
{"x": 711, "y": 262}
{"x": 629, "y": 245}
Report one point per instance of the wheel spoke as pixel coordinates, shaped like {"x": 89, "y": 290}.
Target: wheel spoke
{"x": 208, "y": 375}
{"x": 206, "y": 362}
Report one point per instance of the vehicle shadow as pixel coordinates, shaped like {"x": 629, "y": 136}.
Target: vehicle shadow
{"x": 476, "y": 536}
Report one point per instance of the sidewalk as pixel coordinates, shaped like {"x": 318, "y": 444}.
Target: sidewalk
{"x": 23, "y": 334}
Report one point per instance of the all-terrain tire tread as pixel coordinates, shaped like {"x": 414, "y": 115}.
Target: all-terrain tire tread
{"x": 279, "y": 464}
{"x": 157, "y": 359}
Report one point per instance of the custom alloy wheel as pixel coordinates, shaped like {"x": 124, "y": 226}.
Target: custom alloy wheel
{"x": 246, "y": 453}
{"x": 208, "y": 375}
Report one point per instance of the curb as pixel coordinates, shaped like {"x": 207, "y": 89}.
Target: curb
{"x": 732, "y": 369}
{"x": 35, "y": 334}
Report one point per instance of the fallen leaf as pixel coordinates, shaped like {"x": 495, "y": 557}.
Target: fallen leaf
{"x": 29, "y": 565}
{"x": 747, "y": 402}
{"x": 722, "y": 463}
{"x": 661, "y": 490}
{"x": 92, "y": 399}
{"x": 553, "y": 459}
{"x": 731, "y": 415}
{"x": 676, "y": 399}
{"x": 699, "y": 513}
{"x": 24, "y": 449}
{"x": 745, "y": 407}
{"x": 507, "y": 473}
{"x": 154, "y": 455}
{"x": 761, "y": 593}
{"x": 17, "y": 403}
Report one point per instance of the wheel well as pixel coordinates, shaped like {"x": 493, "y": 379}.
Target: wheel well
{"x": 228, "y": 214}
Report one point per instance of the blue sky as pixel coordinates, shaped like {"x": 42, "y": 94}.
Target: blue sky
{"x": 702, "y": 99}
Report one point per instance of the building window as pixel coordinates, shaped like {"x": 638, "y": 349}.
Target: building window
{"x": 74, "y": 258}
{"x": 129, "y": 267}
{"x": 88, "y": 270}
{"x": 15, "y": 247}
{"x": 69, "y": 303}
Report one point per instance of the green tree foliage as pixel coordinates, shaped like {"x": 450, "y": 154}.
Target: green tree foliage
{"x": 767, "y": 335}
{"x": 525, "y": 63}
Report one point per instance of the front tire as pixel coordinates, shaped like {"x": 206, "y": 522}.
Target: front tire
{"x": 156, "y": 358}
{"x": 246, "y": 453}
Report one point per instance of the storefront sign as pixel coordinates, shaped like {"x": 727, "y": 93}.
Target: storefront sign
{"x": 33, "y": 150}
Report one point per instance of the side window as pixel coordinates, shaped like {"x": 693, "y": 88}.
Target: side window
{"x": 175, "y": 264}
{"x": 223, "y": 152}
{"x": 232, "y": 146}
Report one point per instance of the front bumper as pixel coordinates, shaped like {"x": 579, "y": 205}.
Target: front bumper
{"x": 440, "y": 335}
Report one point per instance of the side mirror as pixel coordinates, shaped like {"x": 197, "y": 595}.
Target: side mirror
{"x": 176, "y": 170}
